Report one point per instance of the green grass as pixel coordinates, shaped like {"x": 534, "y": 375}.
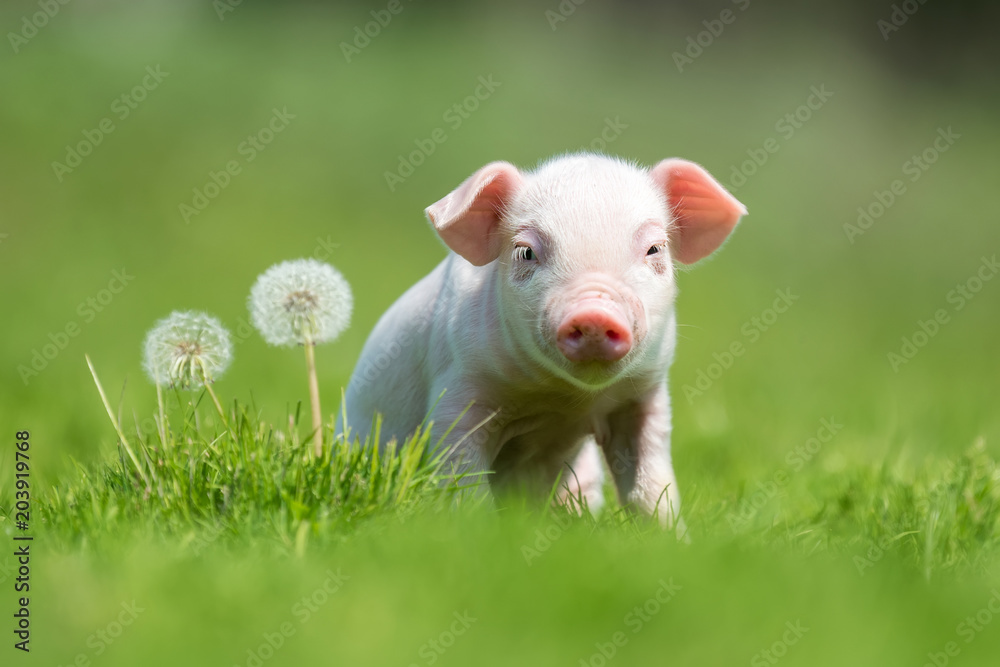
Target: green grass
{"x": 235, "y": 526}
{"x": 882, "y": 539}
{"x": 246, "y": 482}
{"x": 193, "y": 478}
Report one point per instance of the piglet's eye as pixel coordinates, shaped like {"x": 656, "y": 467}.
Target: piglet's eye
{"x": 524, "y": 253}
{"x": 654, "y": 250}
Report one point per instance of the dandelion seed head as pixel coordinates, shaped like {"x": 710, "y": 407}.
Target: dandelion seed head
{"x": 187, "y": 350}
{"x": 300, "y": 301}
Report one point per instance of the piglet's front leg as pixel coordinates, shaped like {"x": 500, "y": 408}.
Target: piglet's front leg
{"x": 466, "y": 432}
{"x": 636, "y": 444}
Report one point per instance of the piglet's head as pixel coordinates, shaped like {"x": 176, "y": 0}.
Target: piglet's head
{"x": 584, "y": 247}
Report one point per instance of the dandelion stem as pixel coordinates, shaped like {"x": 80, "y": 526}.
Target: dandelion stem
{"x": 114, "y": 422}
{"x": 163, "y": 415}
{"x": 218, "y": 405}
{"x": 207, "y": 382}
{"x": 317, "y": 414}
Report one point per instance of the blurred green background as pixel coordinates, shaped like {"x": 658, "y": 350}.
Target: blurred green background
{"x": 320, "y": 189}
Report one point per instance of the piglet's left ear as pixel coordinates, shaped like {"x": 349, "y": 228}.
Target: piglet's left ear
{"x": 704, "y": 212}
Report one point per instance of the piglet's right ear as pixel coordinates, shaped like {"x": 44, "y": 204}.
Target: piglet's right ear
{"x": 467, "y": 219}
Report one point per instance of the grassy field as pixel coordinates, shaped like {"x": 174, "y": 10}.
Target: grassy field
{"x": 844, "y": 503}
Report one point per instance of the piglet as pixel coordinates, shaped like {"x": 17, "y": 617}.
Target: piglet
{"x": 546, "y": 334}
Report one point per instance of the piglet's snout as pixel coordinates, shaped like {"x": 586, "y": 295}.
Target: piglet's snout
{"x": 594, "y": 329}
